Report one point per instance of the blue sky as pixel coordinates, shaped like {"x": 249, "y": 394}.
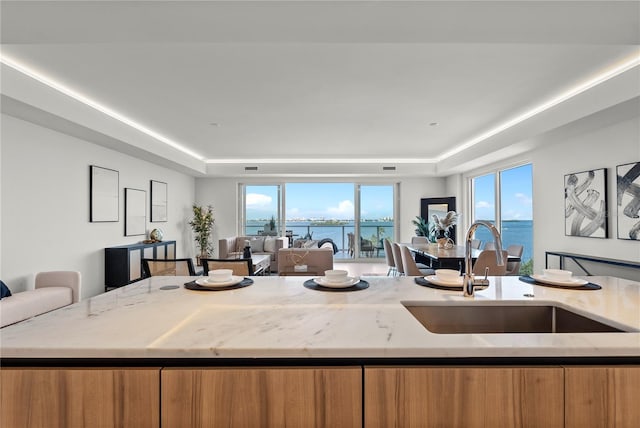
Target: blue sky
{"x": 336, "y": 200}
{"x": 320, "y": 200}
{"x": 516, "y": 190}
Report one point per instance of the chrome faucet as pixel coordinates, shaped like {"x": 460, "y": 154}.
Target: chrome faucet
{"x": 470, "y": 283}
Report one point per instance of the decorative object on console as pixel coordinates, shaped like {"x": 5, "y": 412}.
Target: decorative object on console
{"x": 104, "y": 195}
{"x": 585, "y": 204}
{"x": 156, "y": 235}
{"x": 628, "y": 200}
{"x": 202, "y": 225}
{"x": 135, "y": 212}
{"x": 158, "y": 201}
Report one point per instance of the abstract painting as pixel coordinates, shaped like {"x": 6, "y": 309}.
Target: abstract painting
{"x": 585, "y": 204}
{"x": 628, "y": 200}
{"x": 135, "y": 209}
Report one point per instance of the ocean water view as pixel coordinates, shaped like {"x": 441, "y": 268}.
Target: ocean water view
{"x": 513, "y": 232}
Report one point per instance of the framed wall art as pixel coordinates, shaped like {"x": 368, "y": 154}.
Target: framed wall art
{"x": 104, "y": 194}
{"x": 585, "y": 204}
{"x": 158, "y": 201}
{"x": 135, "y": 212}
{"x": 628, "y": 200}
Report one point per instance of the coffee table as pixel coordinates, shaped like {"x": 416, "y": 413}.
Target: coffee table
{"x": 261, "y": 264}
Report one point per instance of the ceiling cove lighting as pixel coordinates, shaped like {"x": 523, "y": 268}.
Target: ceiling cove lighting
{"x": 320, "y": 160}
{"x": 609, "y": 73}
{"x": 95, "y": 105}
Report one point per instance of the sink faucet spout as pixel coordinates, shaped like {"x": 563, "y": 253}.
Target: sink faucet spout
{"x": 469, "y": 284}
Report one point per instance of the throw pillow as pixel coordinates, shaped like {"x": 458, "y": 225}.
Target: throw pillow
{"x": 270, "y": 244}
{"x": 257, "y": 245}
{"x": 4, "y": 290}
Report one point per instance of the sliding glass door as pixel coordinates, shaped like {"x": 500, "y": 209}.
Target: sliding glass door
{"x": 355, "y": 217}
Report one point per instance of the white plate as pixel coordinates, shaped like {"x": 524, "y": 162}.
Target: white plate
{"x": 204, "y": 282}
{"x": 351, "y": 281}
{"x": 444, "y": 283}
{"x": 573, "y": 282}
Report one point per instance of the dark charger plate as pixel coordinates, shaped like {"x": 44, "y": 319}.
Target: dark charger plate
{"x": 193, "y": 286}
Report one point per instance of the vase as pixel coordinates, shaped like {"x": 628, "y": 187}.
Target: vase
{"x": 442, "y": 236}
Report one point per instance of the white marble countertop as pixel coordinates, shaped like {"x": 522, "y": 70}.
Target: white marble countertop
{"x": 278, "y": 317}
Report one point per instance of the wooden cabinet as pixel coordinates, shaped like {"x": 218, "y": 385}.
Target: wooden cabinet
{"x": 262, "y": 397}
{"x": 487, "y": 397}
{"x": 602, "y": 397}
{"x": 123, "y": 264}
{"x": 78, "y": 397}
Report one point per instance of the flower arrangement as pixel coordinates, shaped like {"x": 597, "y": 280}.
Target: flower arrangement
{"x": 445, "y": 223}
{"x": 202, "y": 225}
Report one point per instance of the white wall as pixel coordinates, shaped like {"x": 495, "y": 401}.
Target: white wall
{"x": 222, "y": 194}
{"x": 45, "y": 205}
{"x": 604, "y": 140}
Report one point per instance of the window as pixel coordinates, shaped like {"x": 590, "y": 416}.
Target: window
{"x": 504, "y": 199}
{"x": 324, "y": 211}
{"x": 261, "y": 209}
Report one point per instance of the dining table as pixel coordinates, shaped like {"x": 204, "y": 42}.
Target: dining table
{"x": 451, "y": 258}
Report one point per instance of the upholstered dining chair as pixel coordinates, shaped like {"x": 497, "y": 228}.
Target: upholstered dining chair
{"x": 410, "y": 266}
{"x": 167, "y": 267}
{"x": 487, "y": 259}
{"x": 388, "y": 256}
{"x": 489, "y": 246}
{"x": 513, "y": 268}
{"x": 240, "y": 267}
{"x": 397, "y": 257}
{"x": 419, "y": 240}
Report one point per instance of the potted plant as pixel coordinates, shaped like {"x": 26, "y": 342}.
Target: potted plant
{"x": 422, "y": 227}
{"x": 202, "y": 225}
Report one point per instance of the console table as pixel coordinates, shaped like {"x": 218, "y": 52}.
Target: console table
{"x": 575, "y": 257}
{"x": 123, "y": 264}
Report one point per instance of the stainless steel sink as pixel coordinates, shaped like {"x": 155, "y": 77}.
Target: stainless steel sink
{"x": 461, "y": 319}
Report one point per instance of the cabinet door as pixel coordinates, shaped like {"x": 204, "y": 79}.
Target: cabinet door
{"x": 488, "y": 397}
{"x": 262, "y": 397}
{"x": 135, "y": 264}
{"x": 171, "y": 251}
{"x": 61, "y": 398}
{"x": 602, "y": 397}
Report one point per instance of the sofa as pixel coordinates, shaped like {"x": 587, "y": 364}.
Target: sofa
{"x": 233, "y": 247}
{"x": 52, "y": 290}
{"x": 317, "y": 260}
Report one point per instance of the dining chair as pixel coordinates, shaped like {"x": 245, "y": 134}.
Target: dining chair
{"x": 515, "y": 250}
{"x": 388, "y": 256}
{"x": 397, "y": 257}
{"x": 240, "y": 267}
{"x": 489, "y": 246}
{"x": 167, "y": 267}
{"x": 419, "y": 240}
{"x": 487, "y": 259}
{"x": 409, "y": 265}
{"x": 351, "y": 239}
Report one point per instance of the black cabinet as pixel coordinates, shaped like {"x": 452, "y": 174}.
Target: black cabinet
{"x": 123, "y": 264}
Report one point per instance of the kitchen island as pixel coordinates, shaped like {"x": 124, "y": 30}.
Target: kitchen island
{"x": 361, "y": 357}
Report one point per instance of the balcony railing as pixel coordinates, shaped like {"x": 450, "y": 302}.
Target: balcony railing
{"x": 338, "y": 234}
